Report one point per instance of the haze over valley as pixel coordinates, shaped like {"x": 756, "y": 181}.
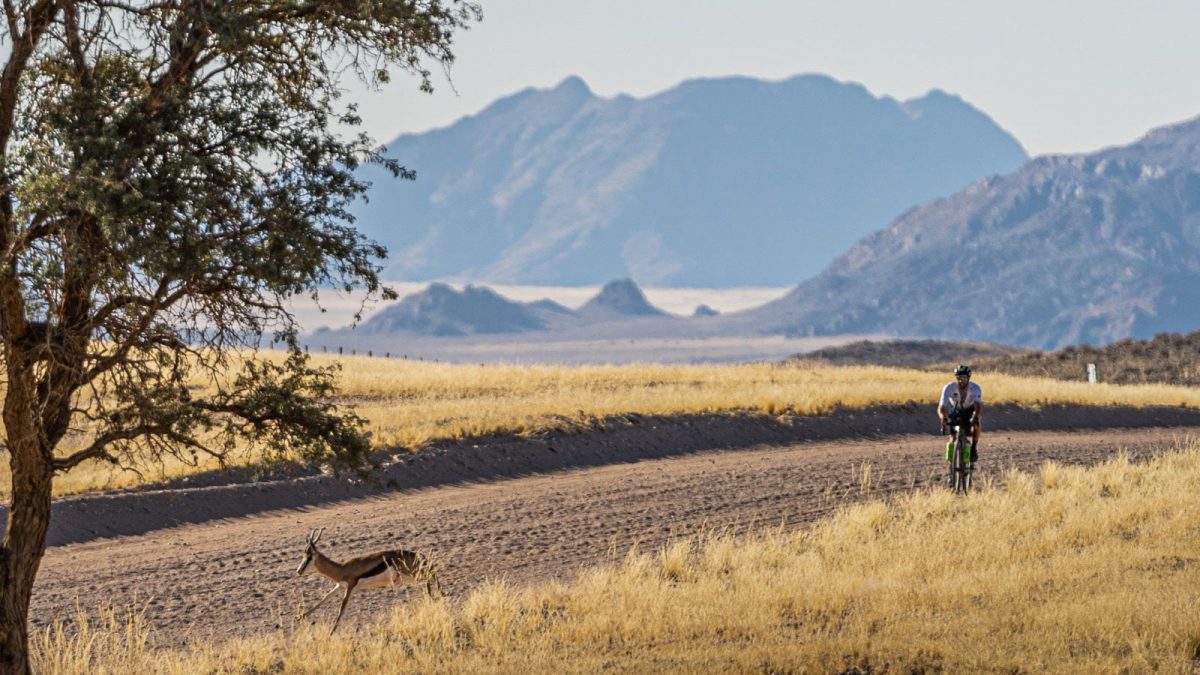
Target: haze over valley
{"x": 548, "y": 187}
{"x": 337, "y": 309}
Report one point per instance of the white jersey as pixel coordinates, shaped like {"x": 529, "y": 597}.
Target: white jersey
{"x": 953, "y": 397}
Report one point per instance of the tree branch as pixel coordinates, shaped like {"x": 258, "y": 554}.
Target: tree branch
{"x": 99, "y": 447}
{"x": 140, "y": 10}
{"x": 10, "y": 13}
{"x": 74, "y": 43}
{"x": 120, "y": 302}
{"x": 38, "y": 20}
{"x": 24, "y": 43}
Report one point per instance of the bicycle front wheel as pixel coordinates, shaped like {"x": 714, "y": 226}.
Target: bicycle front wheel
{"x": 962, "y": 478}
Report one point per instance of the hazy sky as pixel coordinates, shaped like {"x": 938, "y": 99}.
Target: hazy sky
{"x": 1060, "y": 75}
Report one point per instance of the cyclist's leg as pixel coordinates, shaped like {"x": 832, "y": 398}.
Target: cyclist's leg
{"x": 948, "y": 423}
{"x": 975, "y": 429}
{"x": 950, "y": 440}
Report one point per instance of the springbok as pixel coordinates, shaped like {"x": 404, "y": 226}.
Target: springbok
{"x": 384, "y": 568}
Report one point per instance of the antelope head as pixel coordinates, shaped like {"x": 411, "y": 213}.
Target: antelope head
{"x": 310, "y": 549}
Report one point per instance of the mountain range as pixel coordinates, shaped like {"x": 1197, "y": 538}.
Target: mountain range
{"x": 441, "y": 311}
{"x": 1064, "y": 249}
{"x": 715, "y": 182}
{"x": 1086, "y": 248}
{"x": 1068, "y": 249}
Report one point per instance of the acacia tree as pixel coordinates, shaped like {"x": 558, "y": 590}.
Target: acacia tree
{"x": 171, "y": 173}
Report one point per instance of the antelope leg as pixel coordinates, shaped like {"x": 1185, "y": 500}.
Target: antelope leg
{"x": 349, "y": 589}
{"x": 321, "y": 601}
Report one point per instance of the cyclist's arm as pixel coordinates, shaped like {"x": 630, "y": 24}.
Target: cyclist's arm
{"x": 943, "y": 404}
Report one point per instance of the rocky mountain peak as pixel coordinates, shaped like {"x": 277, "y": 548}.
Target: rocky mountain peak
{"x": 715, "y": 182}
{"x": 622, "y": 297}
{"x": 1068, "y": 249}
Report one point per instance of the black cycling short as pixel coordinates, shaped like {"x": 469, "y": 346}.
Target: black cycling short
{"x": 961, "y": 417}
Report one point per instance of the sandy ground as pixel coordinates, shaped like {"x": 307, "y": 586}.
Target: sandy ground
{"x": 218, "y": 559}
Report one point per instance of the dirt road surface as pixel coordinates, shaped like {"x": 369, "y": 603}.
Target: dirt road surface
{"x": 211, "y": 562}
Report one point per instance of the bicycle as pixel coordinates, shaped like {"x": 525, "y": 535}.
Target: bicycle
{"x": 960, "y": 465}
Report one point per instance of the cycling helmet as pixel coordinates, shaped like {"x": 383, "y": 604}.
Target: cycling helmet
{"x": 962, "y": 370}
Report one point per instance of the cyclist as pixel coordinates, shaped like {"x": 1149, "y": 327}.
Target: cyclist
{"x": 961, "y": 404}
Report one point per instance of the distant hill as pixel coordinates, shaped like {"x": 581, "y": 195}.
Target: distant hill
{"x": 1068, "y": 249}
{"x": 441, "y": 311}
{"x": 618, "y": 299}
{"x": 714, "y": 183}
{"x": 910, "y": 353}
{"x": 1167, "y": 358}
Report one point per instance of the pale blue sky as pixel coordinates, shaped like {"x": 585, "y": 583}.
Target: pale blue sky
{"x": 1060, "y": 75}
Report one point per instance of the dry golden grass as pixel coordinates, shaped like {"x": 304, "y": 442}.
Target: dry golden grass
{"x": 410, "y": 403}
{"x": 116, "y": 643}
{"x": 1068, "y": 570}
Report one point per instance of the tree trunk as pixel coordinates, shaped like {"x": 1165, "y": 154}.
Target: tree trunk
{"x": 23, "y": 546}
